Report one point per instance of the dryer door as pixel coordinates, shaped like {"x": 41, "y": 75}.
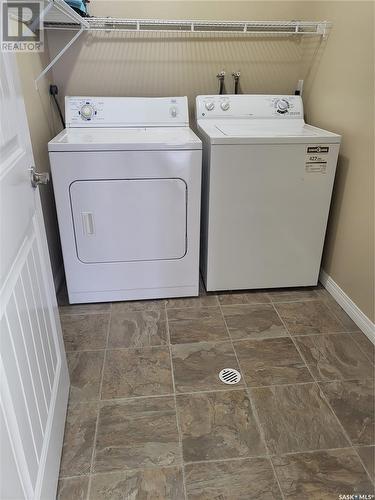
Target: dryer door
{"x": 126, "y": 220}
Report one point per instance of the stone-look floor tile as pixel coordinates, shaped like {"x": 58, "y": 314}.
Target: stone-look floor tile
{"x": 73, "y": 488}
{"x": 248, "y": 479}
{"x": 322, "y": 475}
{"x": 217, "y": 425}
{"x": 196, "y": 325}
{"x": 196, "y": 366}
{"x": 354, "y": 405}
{"x": 367, "y": 454}
{"x": 341, "y": 315}
{"x": 305, "y": 318}
{"x": 137, "y": 433}
{"x": 253, "y": 321}
{"x": 78, "y": 439}
{"x": 334, "y": 357}
{"x": 234, "y": 298}
{"x": 148, "y": 484}
{"x": 271, "y": 362}
{"x": 296, "y": 418}
{"x": 337, "y": 310}
{"x": 293, "y": 294}
{"x": 85, "y": 370}
{"x": 201, "y": 301}
{"x": 85, "y": 331}
{"x": 137, "y": 328}
{"x": 85, "y": 309}
{"x": 137, "y": 372}
{"x": 365, "y": 344}
{"x": 122, "y": 308}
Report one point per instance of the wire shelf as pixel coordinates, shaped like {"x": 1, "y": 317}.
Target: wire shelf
{"x": 317, "y": 28}
{"x": 58, "y": 15}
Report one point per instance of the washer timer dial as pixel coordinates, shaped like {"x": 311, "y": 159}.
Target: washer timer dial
{"x": 210, "y": 105}
{"x": 87, "y": 111}
{"x": 282, "y": 106}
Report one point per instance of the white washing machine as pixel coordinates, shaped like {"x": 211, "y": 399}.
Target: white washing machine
{"x": 127, "y": 181}
{"x": 267, "y": 185}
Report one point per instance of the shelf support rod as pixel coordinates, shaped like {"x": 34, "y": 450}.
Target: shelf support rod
{"x": 57, "y": 57}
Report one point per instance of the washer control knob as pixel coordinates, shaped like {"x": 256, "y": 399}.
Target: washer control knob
{"x": 210, "y": 105}
{"x": 225, "y": 105}
{"x": 87, "y": 112}
{"x": 282, "y": 106}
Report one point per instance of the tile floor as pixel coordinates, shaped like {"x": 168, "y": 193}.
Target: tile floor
{"x": 148, "y": 417}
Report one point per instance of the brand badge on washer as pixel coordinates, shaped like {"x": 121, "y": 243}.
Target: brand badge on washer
{"x": 318, "y": 149}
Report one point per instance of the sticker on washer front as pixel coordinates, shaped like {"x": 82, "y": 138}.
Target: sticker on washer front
{"x": 319, "y": 168}
{"x": 316, "y": 163}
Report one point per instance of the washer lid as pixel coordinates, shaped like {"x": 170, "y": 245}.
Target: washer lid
{"x": 125, "y": 139}
{"x": 264, "y": 131}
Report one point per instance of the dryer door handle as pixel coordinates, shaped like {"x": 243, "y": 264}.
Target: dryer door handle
{"x": 88, "y": 223}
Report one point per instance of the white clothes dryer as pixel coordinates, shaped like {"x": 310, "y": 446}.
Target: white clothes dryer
{"x": 127, "y": 182}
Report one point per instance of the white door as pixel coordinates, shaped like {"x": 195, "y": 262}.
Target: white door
{"x": 34, "y": 379}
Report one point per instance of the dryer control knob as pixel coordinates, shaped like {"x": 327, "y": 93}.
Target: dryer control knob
{"x": 210, "y": 105}
{"x": 282, "y": 105}
{"x": 87, "y": 112}
{"x": 225, "y": 105}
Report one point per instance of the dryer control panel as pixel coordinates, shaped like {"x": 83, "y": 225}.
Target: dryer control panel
{"x": 126, "y": 112}
{"x": 249, "y": 106}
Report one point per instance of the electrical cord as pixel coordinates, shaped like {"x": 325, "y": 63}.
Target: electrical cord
{"x": 53, "y": 90}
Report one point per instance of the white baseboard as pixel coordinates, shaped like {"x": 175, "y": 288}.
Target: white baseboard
{"x": 58, "y": 278}
{"x": 351, "y": 309}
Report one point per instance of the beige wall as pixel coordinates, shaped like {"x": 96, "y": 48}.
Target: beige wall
{"x": 43, "y": 126}
{"x": 339, "y": 96}
{"x": 339, "y": 93}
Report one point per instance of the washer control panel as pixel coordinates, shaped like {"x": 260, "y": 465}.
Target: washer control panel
{"x": 83, "y": 110}
{"x": 249, "y": 106}
{"x": 126, "y": 111}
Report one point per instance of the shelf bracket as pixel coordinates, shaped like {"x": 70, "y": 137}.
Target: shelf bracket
{"x": 322, "y": 29}
{"x": 57, "y": 57}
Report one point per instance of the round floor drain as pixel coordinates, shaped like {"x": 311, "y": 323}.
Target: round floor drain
{"x": 230, "y": 376}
